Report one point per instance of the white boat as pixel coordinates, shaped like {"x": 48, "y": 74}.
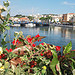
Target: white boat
{"x": 16, "y": 25}
{"x": 30, "y": 25}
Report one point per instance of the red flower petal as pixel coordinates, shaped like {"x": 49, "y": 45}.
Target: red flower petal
{"x": 0, "y": 56}
{"x": 32, "y": 66}
{"x": 29, "y": 40}
{"x": 33, "y": 45}
{"x": 42, "y": 43}
{"x": 3, "y": 55}
{"x": 10, "y": 50}
{"x": 13, "y": 42}
{"x": 41, "y": 54}
{"x": 37, "y": 35}
{"x": 17, "y": 40}
{"x": 6, "y": 49}
{"x": 58, "y": 48}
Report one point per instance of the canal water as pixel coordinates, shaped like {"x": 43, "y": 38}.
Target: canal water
{"x": 58, "y": 36}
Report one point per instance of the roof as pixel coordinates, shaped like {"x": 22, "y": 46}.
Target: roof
{"x": 24, "y": 18}
{"x": 71, "y": 13}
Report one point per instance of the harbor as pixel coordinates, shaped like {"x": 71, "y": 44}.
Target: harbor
{"x": 54, "y": 34}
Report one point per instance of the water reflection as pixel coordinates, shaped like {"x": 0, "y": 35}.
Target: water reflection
{"x": 54, "y": 35}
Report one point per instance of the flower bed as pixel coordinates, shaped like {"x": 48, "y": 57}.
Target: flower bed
{"x": 24, "y": 57}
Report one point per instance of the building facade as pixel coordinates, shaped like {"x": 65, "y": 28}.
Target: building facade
{"x": 67, "y": 17}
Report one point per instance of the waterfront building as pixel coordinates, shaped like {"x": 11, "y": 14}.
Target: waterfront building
{"x": 68, "y": 16}
{"x": 56, "y": 18}
{"x": 24, "y": 19}
{"x": 73, "y": 20}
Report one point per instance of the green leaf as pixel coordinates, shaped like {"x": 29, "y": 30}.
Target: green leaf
{"x": 43, "y": 71}
{"x": 6, "y": 4}
{"x": 25, "y": 57}
{"x": 72, "y": 60}
{"x": 47, "y": 61}
{"x": 5, "y": 35}
{"x": 26, "y": 42}
{"x": 6, "y": 65}
{"x": 72, "y": 65}
{"x": 68, "y": 48}
{"x": 54, "y": 62}
{"x": 3, "y": 42}
{"x": 13, "y": 46}
{"x": 8, "y": 16}
{"x": 70, "y": 55}
{"x": 7, "y": 27}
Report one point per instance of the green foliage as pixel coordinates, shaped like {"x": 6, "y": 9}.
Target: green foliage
{"x": 46, "y": 18}
{"x": 6, "y": 4}
{"x": 54, "y": 62}
{"x": 68, "y": 48}
{"x": 70, "y": 55}
{"x": 30, "y": 18}
{"x": 5, "y": 21}
{"x": 33, "y": 62}
{"x": 19, "y": 16}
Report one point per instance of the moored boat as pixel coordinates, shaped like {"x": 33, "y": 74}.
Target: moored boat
{"x": 30, "y": 25}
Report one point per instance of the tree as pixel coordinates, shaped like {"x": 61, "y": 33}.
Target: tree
{"x": 30, "y": 18}
{"x": 54, "y": 21}
{"x": 42, "y": 18}
{"x": 46, "y": 18}
{"x": 59, "y": 20}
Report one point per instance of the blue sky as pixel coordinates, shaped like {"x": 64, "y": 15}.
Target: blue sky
{"x": 27, "y": 7}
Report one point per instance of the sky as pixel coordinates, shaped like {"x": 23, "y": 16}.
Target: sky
{"x": 27, "y": 7}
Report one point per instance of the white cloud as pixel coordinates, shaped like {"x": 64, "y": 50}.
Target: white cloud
{"x": 68, "y": 3}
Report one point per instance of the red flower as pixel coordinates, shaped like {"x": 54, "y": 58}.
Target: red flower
{"x": 32, "y": 66}
{"x": 39, "y": 40}
{"x": 16, "y": 48}
{"x": 15, "y": 42}
{"x": 10, "y": 50}
{"x": 0, "y": 56}
{"x": 21, "y": 65}
{"x": 29, "y": 40}
{"x": 63, "y": 56}
{"x": 19, "y": 42}
{"x": 33, "y": 45}
{"x": 41, "y": 54}
{"x": 35, "y": 63}
{"x": 42, "y": 43}
{"x": 32, "y": 62}
{"x": 37, "y": 35}
{"x": 58, "y": 48}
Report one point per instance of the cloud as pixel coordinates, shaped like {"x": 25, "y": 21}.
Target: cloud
{"x": 68, "y": 3}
